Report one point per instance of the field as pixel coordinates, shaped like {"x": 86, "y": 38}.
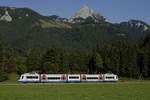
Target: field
{"x": 114, "y": 91}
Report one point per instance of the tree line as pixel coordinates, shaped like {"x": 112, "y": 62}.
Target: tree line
{"x": 120, "y": 57}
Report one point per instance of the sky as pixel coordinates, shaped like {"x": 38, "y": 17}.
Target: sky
{"x": 113, "y": 10}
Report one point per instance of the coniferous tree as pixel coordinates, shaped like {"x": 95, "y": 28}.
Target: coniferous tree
{"x": 99, "y": 63}
{"x": 3, "y": 74}
{"x": 33, "y": 60}
{"x": 21, "y": 66}
{"x": 50, "y": 61}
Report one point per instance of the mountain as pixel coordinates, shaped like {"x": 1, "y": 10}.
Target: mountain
{"x": 23, "y": 28}
{"x": 135, "y": 28}
{"x": 28, "y": 28}
{"x": 135, "y": 25}
{"x": 84, "y": 13}
{"x": 26, "y": 15}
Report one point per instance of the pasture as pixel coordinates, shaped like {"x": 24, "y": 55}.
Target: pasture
{"x": 80, "y": 91}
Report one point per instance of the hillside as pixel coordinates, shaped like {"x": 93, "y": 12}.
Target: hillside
{"x": 24, "y": 28}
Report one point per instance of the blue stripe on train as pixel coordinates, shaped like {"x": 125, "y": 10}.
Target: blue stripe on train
{"x": 65, "y": 81}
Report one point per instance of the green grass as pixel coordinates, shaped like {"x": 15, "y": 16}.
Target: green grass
{"x": 118, "y": 91}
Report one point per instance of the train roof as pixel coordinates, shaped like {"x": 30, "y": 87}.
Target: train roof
{"x": 109, "y": 74}
{"x": 31, "y": 73}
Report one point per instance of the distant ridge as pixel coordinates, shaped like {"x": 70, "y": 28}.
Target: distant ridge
{"x": 24, "y": 28}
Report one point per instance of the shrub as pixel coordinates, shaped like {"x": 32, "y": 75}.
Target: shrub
{"x": 3, "y": 76}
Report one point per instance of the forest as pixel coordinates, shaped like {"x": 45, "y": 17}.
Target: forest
{"x": 120, "y": 57}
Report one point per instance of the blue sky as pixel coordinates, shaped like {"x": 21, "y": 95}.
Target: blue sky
{"x": 112, "y": 10}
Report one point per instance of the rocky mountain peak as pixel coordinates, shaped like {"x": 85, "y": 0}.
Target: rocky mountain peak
{"x": 139, "y": 24}
{"x": 84, "y": 13}
{"x": 6, "y": 17}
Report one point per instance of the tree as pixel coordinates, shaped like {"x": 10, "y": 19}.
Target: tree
{"x": 10, "y": 65}
{"x": 21, "y": 69}
{"x": 33, "y": 59}
{"x": 146, "y": 51}
{"x": 119, "y": 57}
{"x": 50, "y": 61}
{"x": 21, "y": 66}
{"x": 9, "y": 59}
{"x": 3, "y": 76}
{"x": 148, "y": 62}
{"x": 63, "y": 63}
{"x": 98, "y": 63}
{"x": 140, "y": 63}
{"x": 1, "y": 57}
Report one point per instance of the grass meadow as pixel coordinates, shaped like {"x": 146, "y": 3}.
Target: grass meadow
{"x": 79, "y": 91}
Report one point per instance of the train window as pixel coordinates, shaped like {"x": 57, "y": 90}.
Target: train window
{"x": 22, "y": 77}
{"x": 92, "y": 78}
{"x": 84, "y": 77}
{"x": 73, "y": 77}
{"x": 54, "y": 78}
{"x": 110, "y": 77}
{"x": 32, "y": 77}
{"x": 63, "y": 77}
{"x": 44, "y": 77}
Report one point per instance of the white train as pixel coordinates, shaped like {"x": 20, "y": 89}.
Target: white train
{"x": 66, "y": 78}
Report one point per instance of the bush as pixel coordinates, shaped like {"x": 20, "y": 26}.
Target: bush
{"x": 21, "y": 69}
{"x": 3, "y": 76}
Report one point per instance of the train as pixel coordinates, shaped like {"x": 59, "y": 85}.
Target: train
{"x": 67, "y": 78}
